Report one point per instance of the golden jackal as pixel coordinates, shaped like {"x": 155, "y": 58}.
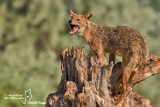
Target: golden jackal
{"x": 119, "y": 40}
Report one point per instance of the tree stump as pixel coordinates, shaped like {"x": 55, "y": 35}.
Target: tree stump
{"x": 86, "y": 83}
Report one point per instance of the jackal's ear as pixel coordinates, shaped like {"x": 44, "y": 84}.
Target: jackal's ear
{"x": 89, "y": 15}
{"x": 72, "y": 13}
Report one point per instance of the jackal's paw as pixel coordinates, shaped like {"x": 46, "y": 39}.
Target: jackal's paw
{"x": 103, "y": 63}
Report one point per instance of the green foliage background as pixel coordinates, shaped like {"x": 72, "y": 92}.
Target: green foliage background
{"x": 33, "y": 33}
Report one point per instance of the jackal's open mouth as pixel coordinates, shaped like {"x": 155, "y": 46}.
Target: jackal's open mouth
{"x": 74, "y": 28}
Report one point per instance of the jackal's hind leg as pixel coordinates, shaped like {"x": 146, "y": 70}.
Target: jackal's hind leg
{"x": 129, "y": 64}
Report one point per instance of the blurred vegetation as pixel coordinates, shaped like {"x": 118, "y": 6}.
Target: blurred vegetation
{"x": 33, "y": 33}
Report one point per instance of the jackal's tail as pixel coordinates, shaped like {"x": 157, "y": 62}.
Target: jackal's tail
{"x": 144, "y": 55}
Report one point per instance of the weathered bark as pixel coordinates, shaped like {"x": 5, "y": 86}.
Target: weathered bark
{"x": 86, "y": 83}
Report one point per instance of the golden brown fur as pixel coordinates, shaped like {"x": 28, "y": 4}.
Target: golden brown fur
{"x": 120, "y": 40}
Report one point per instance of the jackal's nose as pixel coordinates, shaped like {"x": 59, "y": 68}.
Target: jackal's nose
{"x": 70, "y": 21}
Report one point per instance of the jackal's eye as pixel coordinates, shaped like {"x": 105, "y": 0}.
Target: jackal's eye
{"x": 78, "y": 19}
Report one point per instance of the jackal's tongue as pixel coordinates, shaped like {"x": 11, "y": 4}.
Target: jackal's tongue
{"x": 74, "y": 29}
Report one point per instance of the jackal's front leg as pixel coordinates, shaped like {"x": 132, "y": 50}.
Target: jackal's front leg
{"x": 112, "y": 57}
{"x": 101, "y": 57}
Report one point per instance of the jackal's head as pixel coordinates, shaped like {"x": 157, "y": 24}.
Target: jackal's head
{"x": 79, "y": 23}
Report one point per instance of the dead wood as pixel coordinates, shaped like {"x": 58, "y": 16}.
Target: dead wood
{"x": 86, "y": 83}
